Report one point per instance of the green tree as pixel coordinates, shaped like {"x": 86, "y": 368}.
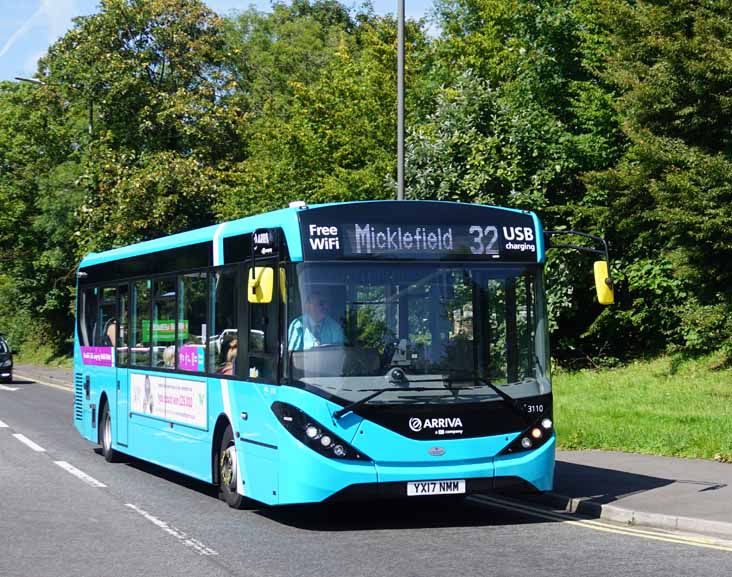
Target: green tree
{"x": 519, "y": 116}
{"x": 39, "y": 192}
{"x": 165, "y": 128}
{"x": 130, "y": 136}
{"x": 326, "y": 131}
{"x": 670, "y": 196}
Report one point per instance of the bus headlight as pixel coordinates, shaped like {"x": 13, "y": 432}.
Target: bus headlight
{"x": 314, "y": 435}
{"x": 531, "y": 438}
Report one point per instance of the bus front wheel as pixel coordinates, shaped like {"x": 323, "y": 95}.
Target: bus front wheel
{"x": 105, "y": 433}
{"x": 229, "y": 471}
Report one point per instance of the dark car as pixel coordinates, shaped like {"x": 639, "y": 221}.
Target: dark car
{"x": 6, "y": 361}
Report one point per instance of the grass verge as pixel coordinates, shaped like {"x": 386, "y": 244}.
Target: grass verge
{"x": 43, "y": 355}
{"x": 679, "y": 408}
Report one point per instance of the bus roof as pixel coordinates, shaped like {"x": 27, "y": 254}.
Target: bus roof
{"x": 292, "y": 221}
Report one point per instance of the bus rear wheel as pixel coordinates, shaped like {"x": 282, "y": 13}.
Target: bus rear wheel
{"x": 229, "y": 471}
{"x": 105, "y": 436}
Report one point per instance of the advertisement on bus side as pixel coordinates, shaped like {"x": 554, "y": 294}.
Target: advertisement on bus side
{"x": 176, "y": 400}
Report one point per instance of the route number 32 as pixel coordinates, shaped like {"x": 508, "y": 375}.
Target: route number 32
{"x": 484, "y": 239}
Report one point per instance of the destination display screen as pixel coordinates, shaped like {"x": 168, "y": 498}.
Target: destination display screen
{"x": 417, "y": 230}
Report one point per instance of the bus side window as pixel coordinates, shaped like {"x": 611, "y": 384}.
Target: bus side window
{"x": 192, "y": 329}
{"x": 88, "y": 310}
{"x": 163, "y": 323}
{"x": 140, "y": 324}
{"x": 223, "y": 339}
{"x": 123, "y": 351}
{"x": 107, "y": 335}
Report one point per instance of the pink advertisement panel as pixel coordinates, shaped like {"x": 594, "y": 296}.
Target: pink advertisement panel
{"x": 98, "y": 356}
{"x": 191, "y": 358}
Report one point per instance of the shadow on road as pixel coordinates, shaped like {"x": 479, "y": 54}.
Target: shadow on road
{"x": 420, "y": 513}
{"x": 168, "y": 475}
{"x": 416, "y": 513}
{"x": 17, "y": 382}
{"x": 601, "y": 485}
{"x": 571, "y": 480}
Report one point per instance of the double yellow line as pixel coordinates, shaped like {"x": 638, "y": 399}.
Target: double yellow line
{"x": 693, "y": 541}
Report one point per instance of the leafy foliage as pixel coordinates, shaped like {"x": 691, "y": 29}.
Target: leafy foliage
{"x": 323, "y": 88}
{"x": 670, "y": 192}
{"x": 608, "y": 116}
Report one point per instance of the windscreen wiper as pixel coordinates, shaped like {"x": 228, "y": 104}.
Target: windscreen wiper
{"x": 505, "y": 397}
{"x": 376, "y": 392}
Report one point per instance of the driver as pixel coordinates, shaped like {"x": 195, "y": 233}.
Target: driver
{"x": 314, "y": 327}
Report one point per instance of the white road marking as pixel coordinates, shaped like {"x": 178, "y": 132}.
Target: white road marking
{"x": 3, "y": 425}
{"x": 194, "y": 544}
{"x": 28, "y": 443}
{"x": 68, "y": 389}
{"x": 89, "y": 480}
{"x": 4, "y": 388}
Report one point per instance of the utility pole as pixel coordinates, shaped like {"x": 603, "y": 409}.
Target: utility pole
{"x": 400, "y": 99}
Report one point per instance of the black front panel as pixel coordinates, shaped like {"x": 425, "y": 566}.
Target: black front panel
{"x": 237, "y": 248}
{"x": 417, "y": 230}
{"x": 184, "y": 258}
{"x": 267, "y": 242}
{"x": 432, "y": 422}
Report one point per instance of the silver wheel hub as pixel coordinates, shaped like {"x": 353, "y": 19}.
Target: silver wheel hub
{"x": 229, "y": 467}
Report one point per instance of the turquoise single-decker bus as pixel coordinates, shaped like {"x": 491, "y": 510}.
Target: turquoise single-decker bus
{"x": 339, "y": 351}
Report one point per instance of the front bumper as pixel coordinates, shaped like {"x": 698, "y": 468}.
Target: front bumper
{"x": 331, "y": 480}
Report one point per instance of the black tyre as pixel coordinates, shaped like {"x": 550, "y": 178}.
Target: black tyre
{"x": 229, "y": 471}
{"x": 105, "y": 436}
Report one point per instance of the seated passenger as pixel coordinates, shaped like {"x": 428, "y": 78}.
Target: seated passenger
{"x": 109, "y": 333}
{"x": 314, "y": 327}
{"x": 169, "y": 357}
{"x": 229, "y": 351}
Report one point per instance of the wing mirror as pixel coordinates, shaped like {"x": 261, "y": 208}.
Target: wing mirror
{"x": 261, "y": 285}
{"x": 603, "y": 283}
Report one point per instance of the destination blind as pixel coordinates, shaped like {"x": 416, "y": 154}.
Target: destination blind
{"x": 482, "y": 233}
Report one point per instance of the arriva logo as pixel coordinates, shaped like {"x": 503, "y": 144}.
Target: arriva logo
{"x": 446, "y": 423}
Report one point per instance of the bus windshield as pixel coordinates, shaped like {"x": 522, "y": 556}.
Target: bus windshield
{"x": 428, "y": 332}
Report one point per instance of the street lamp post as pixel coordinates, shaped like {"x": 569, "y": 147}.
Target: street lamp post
{"x": 90, "y": 118}
{"x": 400, "y": 99}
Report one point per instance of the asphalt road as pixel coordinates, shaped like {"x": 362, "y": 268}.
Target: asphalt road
{"x": 65, "y": 511}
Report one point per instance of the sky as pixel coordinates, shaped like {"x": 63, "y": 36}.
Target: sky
{"x": 29, "y": 27}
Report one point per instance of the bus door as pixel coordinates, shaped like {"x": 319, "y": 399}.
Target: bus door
{"x": 122, "y": 347}
{"x": 263, "y": 325}
{"x": 264, "y": 282}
